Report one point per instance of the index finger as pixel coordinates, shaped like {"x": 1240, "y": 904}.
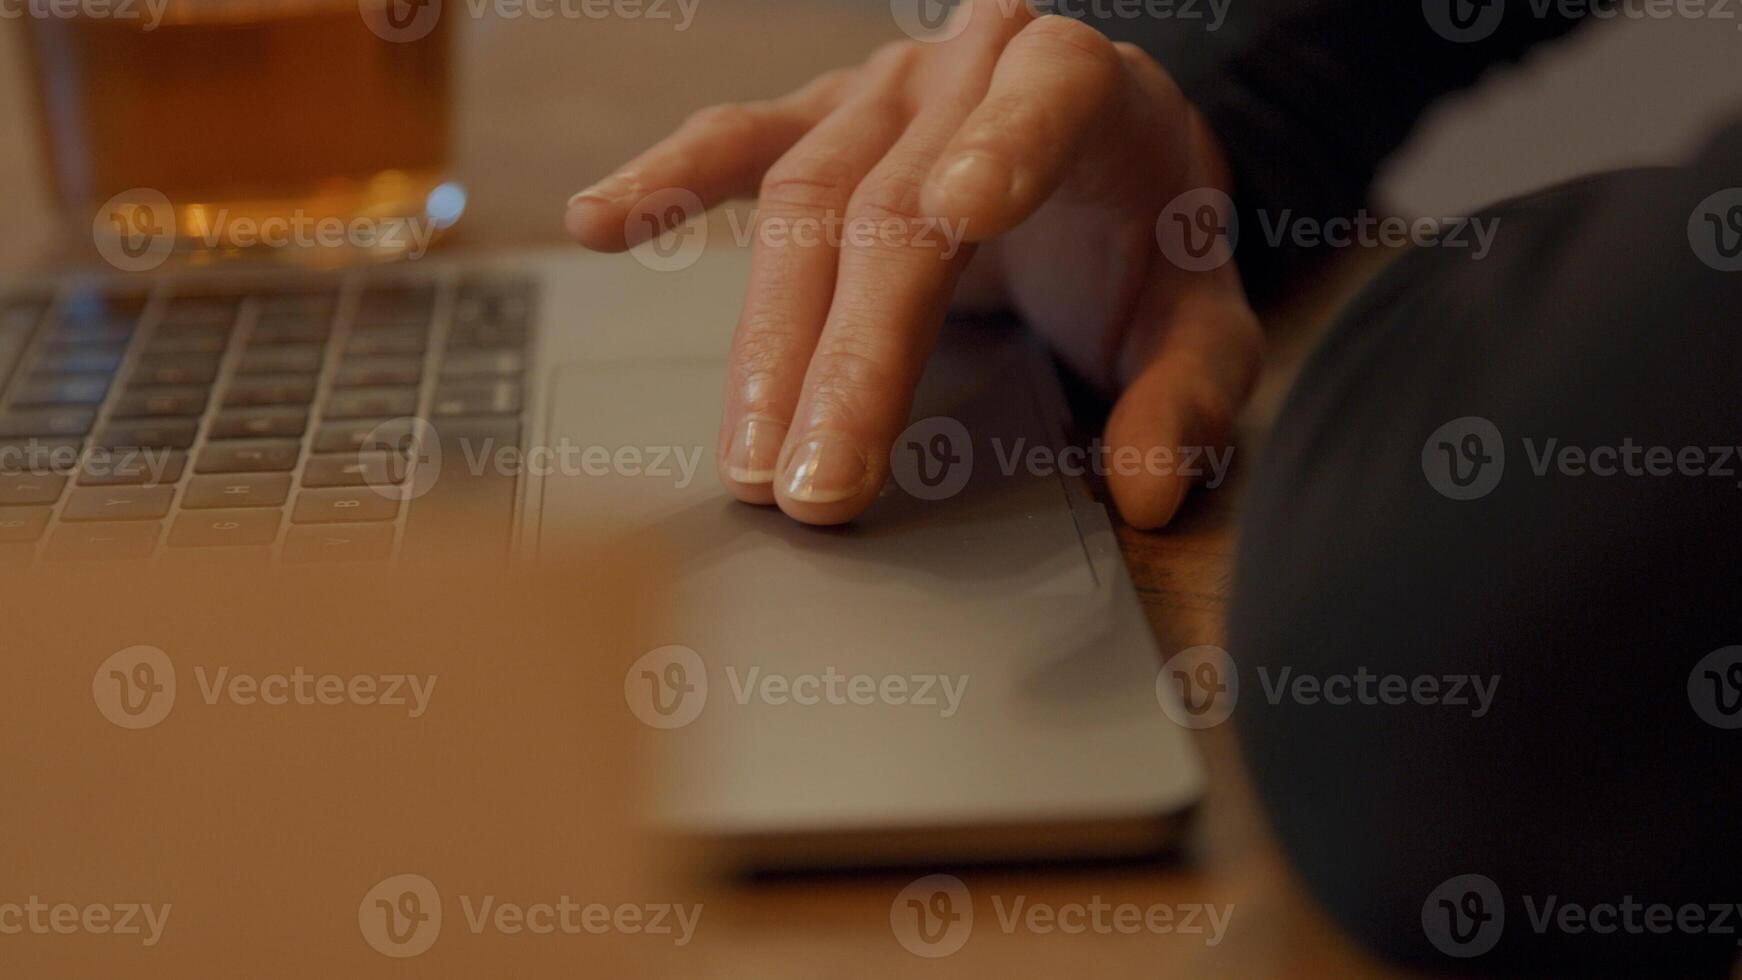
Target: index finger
{"x": 719, "y": 153}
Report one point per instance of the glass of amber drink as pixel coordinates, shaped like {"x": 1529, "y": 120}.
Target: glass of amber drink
{"x": 315, "y": 130}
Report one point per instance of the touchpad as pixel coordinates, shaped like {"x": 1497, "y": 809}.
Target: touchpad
{"x": 631, "y": 448}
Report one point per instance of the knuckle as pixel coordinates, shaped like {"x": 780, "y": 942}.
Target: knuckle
{"x": 994, "y": 21}
{"x": 762, "y": 357}
{"x": 728, "y": 120}
{"x": 808, "y": 183}
{"x": 1144, "y": 69}
{"x": 1131, "y": 54}
{"x": 849, "y": 381}
{"x": 833, "y": 81}
{"x": 887, "y": 197}
{"x": 1007, "y": 125}
{"x": 893, "y": 59}
{"x": 1215, "y": 414}
{"x": 1074, "y": 39}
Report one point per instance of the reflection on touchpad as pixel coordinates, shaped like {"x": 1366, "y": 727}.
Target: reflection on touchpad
{"x": 965, "y": 518}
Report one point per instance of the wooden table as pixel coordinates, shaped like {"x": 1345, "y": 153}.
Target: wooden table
{"x": 545, "y": 107}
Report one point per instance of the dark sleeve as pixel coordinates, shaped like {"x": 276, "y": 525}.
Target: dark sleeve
{"x": 1436, "y": 504}
{"x": 1311, "y": 99}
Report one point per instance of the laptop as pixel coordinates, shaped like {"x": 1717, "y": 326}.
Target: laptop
{"x": 963, "y": 674}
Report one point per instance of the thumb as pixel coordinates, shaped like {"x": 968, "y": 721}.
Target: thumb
{"x": 1190, "y": 376}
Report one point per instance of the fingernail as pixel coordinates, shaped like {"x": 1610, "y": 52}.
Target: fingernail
{"x": 755, "y": 450}
{"x": 975, "y": 175}
{"x": 613, "y": 189}
{"x": 824, "y": 469}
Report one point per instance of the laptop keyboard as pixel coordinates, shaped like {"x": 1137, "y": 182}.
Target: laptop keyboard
{"x": 284, "y": 420}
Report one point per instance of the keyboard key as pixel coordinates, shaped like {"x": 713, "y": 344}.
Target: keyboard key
{"x": 224, "y": 528}
{"x": 259, "y": 423}
{"x": 289, "y": 359}
{"x": 462, "y": 506}
{"x": 267, "y": 456}
{"x": 487, "y": 336}
{"x": 364, "y": 469}
{"x": 355, "y": 403}
{"x": 177, "y": 402}
{"x": 46, "y": 422}
{"x": 165, "y": 434}
{"x": 342, "y": 506}
{"x": 338, "y": 542}
{"x": 249, "y": 556}
{"x": 485, "y": 364}
{"x": 31, "y": 488}
{"x": 62, "y": 389}
{"x": 493, "y": 303}
{"x": 118, "y": 503}
{"x": 275, "y": 389}
{"x": 240, "y": 490}
{"x": 20, "y": 314}
{"x": 296, "y": 298}
{"x": 463, "y": 398}
{"x": 95, "y": 303}
{"x": 175, "y": 369}
{"x": 396, "y": 303}
{"x": 23, "y": 524}
{"x": 80, "y": 360}
{"x": 97, "y": 332}
{"x": 390, "y": 340}
{"x": 375, "y": 371}
{"x": 290, "y": 328}
{"x": 352, "y": 435}
{"x": 50, "y": 455}
{"x": 11, "y": 352}
{"x": 123, "y": 467}
{"x": 207, "y": 307}
{"x": 85, "y": 542}
{"x": 189, "y": 342}
{"x": 184, "y": 329}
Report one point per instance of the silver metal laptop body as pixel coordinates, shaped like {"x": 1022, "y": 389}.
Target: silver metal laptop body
{"x": 962, "y": 674}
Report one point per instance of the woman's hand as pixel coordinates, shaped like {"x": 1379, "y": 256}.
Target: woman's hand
{"x": 1052, "y": 152}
